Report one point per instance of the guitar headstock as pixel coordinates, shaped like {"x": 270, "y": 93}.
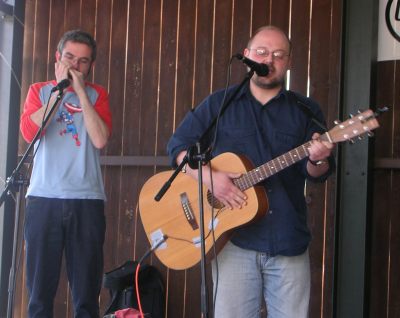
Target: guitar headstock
{"x": 358, "y": 125}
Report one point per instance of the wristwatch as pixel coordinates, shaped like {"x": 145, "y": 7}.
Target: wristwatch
{"x": 184, "y": 168}
{"x": 317, "y": 162}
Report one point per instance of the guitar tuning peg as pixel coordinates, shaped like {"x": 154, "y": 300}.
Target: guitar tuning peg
{"x": 360, "y": 111}
{"x": 360, "y": 137}
{"x": 337, "y": 122}
{"x": 351, "y": 115}
{"x": 370, "y": 134}
{"x": 351, "y": 141}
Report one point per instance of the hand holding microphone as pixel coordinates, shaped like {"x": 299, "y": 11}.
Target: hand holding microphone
{"x": 62, "y": 76}
{"x": 260, "y": 68}
{"x": 61, "y": 85}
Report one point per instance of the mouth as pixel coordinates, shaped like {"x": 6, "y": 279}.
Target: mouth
{"x": 270, "y": 73}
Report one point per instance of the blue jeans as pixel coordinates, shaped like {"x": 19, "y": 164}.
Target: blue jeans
{"x": 53, "y": 226}
{"x": 246, "y": 276}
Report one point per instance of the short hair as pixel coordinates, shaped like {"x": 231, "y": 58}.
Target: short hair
{"x": 78, "y": 36}
{"x": 272, "y": 28}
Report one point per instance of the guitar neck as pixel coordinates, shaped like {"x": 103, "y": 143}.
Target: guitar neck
{"x": 272, "y": 167}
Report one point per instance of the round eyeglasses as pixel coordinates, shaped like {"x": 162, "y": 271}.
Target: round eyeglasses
{"x": 263, "y": 52}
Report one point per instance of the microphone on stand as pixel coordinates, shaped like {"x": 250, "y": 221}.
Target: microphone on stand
{"x": 261, "y": 69}
{"x": 61, "y": 85}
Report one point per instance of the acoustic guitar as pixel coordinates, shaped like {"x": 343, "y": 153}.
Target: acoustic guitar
{"x": 172, "y": 224}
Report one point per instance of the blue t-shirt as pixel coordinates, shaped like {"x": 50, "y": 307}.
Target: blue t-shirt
{"x": 66, "y": 164}
{"x": 261, "y": 133}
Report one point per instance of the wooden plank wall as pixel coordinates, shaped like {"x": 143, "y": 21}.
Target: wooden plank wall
{"x": 384, "y": 270}
{"x": 158, "y": 59}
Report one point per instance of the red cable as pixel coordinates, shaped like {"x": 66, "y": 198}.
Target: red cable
{"x": 137, "y": 290}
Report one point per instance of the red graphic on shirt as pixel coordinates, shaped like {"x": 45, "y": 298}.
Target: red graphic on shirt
{"x": 73, "y": 108}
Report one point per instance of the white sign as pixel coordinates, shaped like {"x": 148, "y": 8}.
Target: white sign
{"x": 389, "y": 30}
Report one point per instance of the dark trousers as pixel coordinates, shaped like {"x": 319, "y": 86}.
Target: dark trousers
{"x": 73, "y": 226}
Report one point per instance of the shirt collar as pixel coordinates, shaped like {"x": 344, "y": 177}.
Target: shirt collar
{"x": 245, "y": 92}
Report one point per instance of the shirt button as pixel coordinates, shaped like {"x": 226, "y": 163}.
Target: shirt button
{"x": 270, "y": 211}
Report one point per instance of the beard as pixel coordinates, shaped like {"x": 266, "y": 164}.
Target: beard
{"x": 274, "y": 83}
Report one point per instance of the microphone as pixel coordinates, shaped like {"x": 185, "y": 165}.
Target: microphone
{"x": 260, "y": 68}
{"x": 60, "y": 86}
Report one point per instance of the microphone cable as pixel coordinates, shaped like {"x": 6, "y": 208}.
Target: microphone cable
{"x": 148, "y": 252}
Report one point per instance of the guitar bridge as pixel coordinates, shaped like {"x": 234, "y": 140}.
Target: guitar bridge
{"x": 188, "y": 211}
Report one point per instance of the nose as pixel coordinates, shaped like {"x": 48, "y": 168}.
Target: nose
{"x": 75, "y": 63}
{"x": 268, "y": 59}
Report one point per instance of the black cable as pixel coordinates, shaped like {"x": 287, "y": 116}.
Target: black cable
{"x": 25, "y": 177}
{"x": 212, "y": 146}
{"x": 228, "y": 79}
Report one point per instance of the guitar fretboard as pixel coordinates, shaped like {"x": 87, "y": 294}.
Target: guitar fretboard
{"x": 268, "y": 169}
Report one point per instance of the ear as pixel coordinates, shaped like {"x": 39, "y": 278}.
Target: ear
{"x": 289, "y": 64}
{"x": 90, "y": 69}
{"x": 246, "y": 52}
{"x": 58, "y": 56}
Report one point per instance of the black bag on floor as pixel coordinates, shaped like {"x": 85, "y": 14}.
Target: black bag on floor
{"x": 121, "y": 284}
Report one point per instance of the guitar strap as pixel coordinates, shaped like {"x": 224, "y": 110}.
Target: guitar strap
{"x": 307, "y": 111}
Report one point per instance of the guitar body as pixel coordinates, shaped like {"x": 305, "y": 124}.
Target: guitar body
{"x": 176, "y": 215}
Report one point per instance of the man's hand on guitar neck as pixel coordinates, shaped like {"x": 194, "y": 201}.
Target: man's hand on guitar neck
{"x": 319, "y": 152}
{"x": 223, "y": 187}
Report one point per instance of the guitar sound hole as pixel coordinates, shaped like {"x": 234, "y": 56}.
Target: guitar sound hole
{"x": 213, "y": 201}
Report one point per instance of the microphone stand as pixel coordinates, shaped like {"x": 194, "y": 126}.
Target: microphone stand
{"x": 196, "y": 159}
{"x": 15, "y": 180}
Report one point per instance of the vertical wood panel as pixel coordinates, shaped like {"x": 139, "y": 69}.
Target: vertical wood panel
{"x": 380, "y": 225}
{"x": 241, "y": 32}
{"x": 222, "y": 43}
{"x": 115, "y": 146}
{"x": 40, "y": 36}
{"x": 380, "y": 244}
{"x": 102, "y": 33}
{"x": 280, "y": 10}
{"x": 321, "y": 216}
{"x": 131, "y": 233}
{"x": 167, "y": 74}
{"x": 185, "y": 58}
{"x": 72, "y": 14}
{"x": 184, "y": 98}
{"x": 204, "y": 43}
{"x": 384, "y": 274}
{"x": 28, "y": 62}
{"x": 331, "y": 110}
{"x": 55, "y": 32}
{"x": 300, "y": 35}
{"x": 394, "y": 270}
{"x": 133, "y": 81}
{"x": 132, "y": 177}
{"x": 111, "y": 30}
{"x": 261, "y": 13}
{"x": 88, "y": 16}
{"x": 100, "y": 75}
{"x": 148, "y": 103}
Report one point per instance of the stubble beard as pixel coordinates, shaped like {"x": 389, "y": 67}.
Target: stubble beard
{"x": 268, "y": 85}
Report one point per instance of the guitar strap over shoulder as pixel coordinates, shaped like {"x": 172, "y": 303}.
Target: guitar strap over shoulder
{"x": 306, "y": 110}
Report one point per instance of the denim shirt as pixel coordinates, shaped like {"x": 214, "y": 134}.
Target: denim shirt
{"x": 261, "y": 133}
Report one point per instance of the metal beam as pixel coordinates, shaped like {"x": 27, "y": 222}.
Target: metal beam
{"x": 359, "y": 56}
{"x": 11, "y": 47}
{"x": 5, "y": 8}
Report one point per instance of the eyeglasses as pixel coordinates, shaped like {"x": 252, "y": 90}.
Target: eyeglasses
{"x": 276, "y": 55}
{"x": 73, "y": 59}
